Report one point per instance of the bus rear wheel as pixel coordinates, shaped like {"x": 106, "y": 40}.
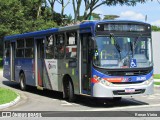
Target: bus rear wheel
{"x": 71, "y": 96}
{"x": 22, "y": 81}
{"x": 69, "y": 91}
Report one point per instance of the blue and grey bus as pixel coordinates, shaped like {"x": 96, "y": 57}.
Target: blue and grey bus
{"x": 102, "y": 59}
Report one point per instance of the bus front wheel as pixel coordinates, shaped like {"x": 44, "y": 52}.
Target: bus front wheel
{"x": 22, "y": 81}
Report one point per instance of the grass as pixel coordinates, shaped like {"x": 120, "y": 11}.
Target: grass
{"x": 156, "y": 76}
{"x": 1, "y": 64}
{"x": 157, "y": 83}
{"x": 1, "y": 67}
{"x": 6, "y": 95}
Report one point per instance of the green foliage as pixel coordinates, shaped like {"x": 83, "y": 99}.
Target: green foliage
{"x": 155, "y": 28}
{"x": 80, "y": 18}
{"x": 91, "y": 5}
{"x": 58, "y": 18}
{"x": 156, "y": 76}
{"x": 69, "y": 19}
{"x": 20, "y": 16}
{"x": 110, "y": 17}
{"x": 157, "y": 83}
{"x": 1, "y": 63}
{"x": 11, "y": 17}
{"x": 95, "y": 16}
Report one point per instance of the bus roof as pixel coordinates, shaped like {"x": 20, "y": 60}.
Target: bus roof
{"x": 82, "y": 25}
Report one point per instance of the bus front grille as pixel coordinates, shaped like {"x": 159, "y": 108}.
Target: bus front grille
{"x": 122, "y": 92}
{"x": 123, "y": 83}
{"x": 128, "y": 73}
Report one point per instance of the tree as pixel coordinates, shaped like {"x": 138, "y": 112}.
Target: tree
{"x": 155, "y": 28}
{"x": 58, "y": 17}
{"x": 76, "y": 8}
{"x": 63, "y": 5}
{"x": 110, "y": 17}
{"x": 96, "y": 16}
{"x": 37, "y": 14}
{"x": 68, "y": 20}
{"x": 11, "y": 17}
{"x": 52, "y": 3}
{"x": 20, "y": 16}
{"x": 91, "y": 5}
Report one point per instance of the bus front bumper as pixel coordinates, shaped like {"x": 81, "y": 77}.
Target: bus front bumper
{"x": 121, "y": 90}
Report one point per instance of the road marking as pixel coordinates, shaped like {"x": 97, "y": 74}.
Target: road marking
{"x": 151, "y": 98}
{"x": 65, "y": 103}
{"x": 122, "y": 108}
{"x": 157, "y": 94}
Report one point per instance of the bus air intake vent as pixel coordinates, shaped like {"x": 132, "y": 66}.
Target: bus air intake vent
{"x": 123, "y": 83}
{"x": 122, "y": 92}
{"x": 128, "y": 73}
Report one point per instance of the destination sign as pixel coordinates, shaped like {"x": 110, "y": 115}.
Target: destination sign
{"x": 123, "y": 27}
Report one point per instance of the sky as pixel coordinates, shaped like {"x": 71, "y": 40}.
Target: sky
{"x": 138, "y": 12}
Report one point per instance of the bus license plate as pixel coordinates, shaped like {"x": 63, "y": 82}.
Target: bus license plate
{"x": 129, "y": 90}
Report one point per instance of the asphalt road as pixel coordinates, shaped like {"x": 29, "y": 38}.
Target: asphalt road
{"x": 46, "y": 100}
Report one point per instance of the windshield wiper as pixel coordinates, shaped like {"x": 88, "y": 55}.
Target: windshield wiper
{"x": 136, "y": 42}
{"x": 117, "y": 46}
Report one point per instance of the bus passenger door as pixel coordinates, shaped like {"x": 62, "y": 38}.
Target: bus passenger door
{"x": 39, "y": 61}
{"x": 12, "y": 60}
{"x": 86, "y": 63}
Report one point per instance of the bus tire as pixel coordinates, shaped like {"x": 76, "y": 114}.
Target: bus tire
{"x": 22, "y": 81}
{"x": 71, "y": 96}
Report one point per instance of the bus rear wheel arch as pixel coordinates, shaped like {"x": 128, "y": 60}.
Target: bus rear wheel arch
{"x": 68, "y": 89}
{"x": 22, "y": 81}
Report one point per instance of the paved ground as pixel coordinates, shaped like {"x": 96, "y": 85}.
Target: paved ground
{"x": 36, "y": 100}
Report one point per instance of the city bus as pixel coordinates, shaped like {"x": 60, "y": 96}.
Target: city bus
{"x": 100, "y": 59}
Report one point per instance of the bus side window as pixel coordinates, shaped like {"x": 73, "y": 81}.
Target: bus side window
{"x": 20, "y": 43}
{"x": 59, "y": 47}
{"x": 71, "y": 47}
{"x": 20, "y": 48}
{"x": 50, "y": 47}
{"x": 20, "y": 53}
{"x": 7, "y": 49}
{"x": 29, "y": 44}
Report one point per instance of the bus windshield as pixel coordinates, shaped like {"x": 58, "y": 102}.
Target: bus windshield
{"x": 122, "y": 52}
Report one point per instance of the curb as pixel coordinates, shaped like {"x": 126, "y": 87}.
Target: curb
{"x": 15, "y": 101}
{"x": 157, "y": 86}
{"x": 156, "y": 80}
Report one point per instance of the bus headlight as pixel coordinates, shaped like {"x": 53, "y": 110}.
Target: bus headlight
{"x": 147, "y": 82}
{"x": 102, "y": 81}
{"x": 105, "y": 82}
